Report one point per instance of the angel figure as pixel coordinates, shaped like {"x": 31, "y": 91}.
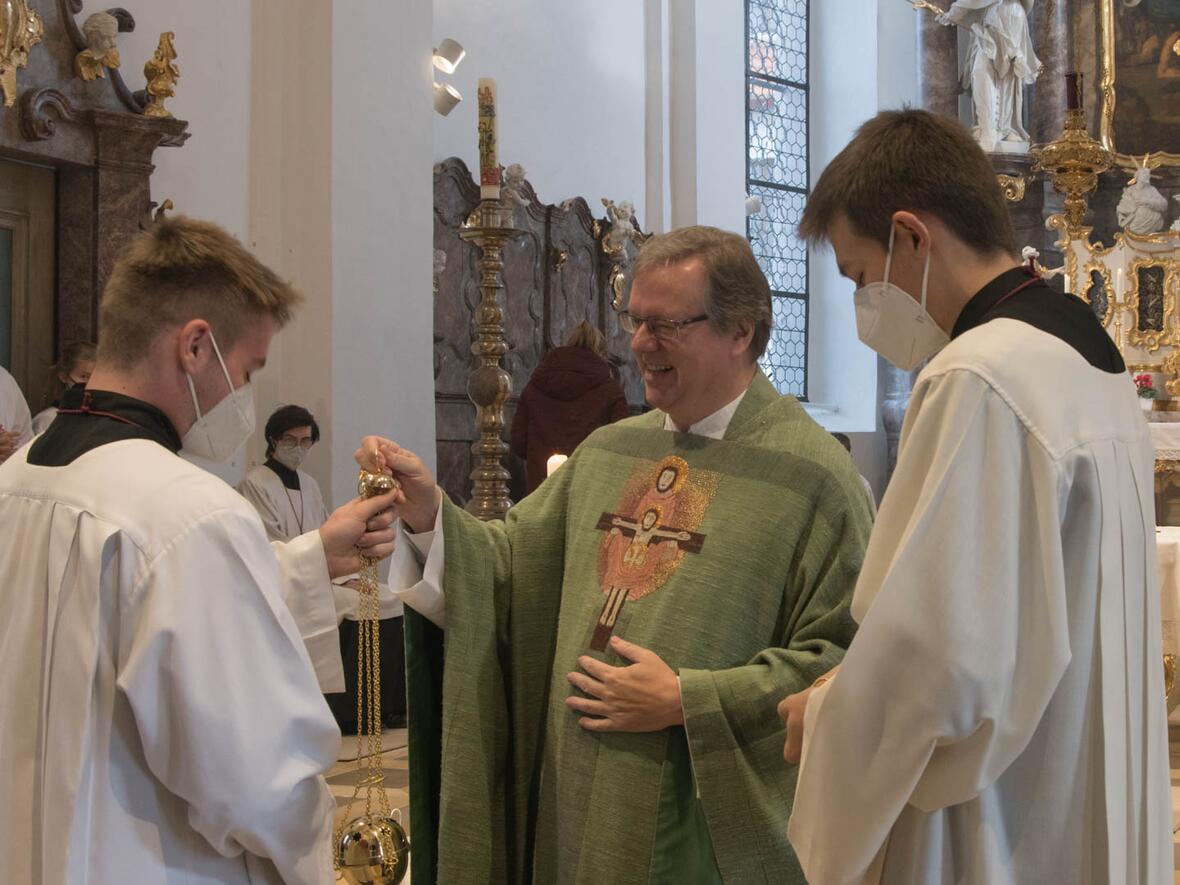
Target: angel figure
{"x": 513, "y": 186}
{"x": 1142, "y": 209}
{"x": 101, "y": 31}
{"x": 622, "y": 229}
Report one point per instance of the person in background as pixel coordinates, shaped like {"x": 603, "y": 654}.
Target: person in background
{"x": 16, "y": 427}
{"x": 571, "y": 394}
{"x": 843, "y": 439}
{"x": 74, "y": 368}
{"x": 289, "y": 503}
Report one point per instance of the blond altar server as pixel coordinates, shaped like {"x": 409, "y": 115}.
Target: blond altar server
{"x": 1000, "y": 715}
{"x": 162, "y": 721}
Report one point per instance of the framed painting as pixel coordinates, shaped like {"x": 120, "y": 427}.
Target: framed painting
{"x": 1139, "y": 71}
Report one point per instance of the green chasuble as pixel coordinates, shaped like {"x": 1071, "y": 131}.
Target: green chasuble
{"x": 734, "y": 560}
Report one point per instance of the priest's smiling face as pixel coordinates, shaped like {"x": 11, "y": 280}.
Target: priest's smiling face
{"x": 701, "y": 369}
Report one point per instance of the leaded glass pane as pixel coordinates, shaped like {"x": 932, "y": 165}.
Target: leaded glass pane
{"x": 785, "y": 360}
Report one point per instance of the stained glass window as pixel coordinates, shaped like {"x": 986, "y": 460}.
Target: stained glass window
{"x": 777, "y": 173}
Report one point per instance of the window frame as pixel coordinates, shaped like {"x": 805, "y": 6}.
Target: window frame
{"x": 751, "y": 78}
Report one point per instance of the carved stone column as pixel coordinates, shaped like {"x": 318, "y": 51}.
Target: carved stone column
{"x": 938, "y": 66}
{"x": 1051, "y": 36}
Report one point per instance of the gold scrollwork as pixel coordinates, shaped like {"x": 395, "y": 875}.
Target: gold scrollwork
{"x": 1013, "y": 186}
{"x": 1151, "y": 339}
{"x": 20, "y": 30}
{"x": 162, "y": 74}
{"x": 1086, "y": 283}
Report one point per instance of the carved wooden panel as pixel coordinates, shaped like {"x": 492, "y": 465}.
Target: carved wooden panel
{"x": 556, "y": 274}
{"x": 96, "y": 139}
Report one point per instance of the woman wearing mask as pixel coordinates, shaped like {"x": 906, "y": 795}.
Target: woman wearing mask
{"x": 74, "y": 368}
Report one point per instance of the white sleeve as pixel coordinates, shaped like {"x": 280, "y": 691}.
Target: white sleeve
{"x": 310, "y": 595}
{"x": 938, "y": 694}
{"x": 416, "y": 571}
{"x": 225, "y": 700}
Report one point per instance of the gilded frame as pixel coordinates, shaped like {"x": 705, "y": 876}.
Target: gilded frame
{"x": 1113, "y": 298}
{"x": 1107, "y": 92}
{"x": 1151, "y": 341}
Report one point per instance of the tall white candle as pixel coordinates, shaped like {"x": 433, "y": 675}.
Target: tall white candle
{"x": 489, "y": 166}
{"x": 554, "y": 462}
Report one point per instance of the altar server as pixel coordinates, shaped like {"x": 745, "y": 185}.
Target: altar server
{"x": 1000, "y": 716}
{"x": 161, "y": 720}
{"x": 289, "y": 502}
{"x": 16, "y": 423}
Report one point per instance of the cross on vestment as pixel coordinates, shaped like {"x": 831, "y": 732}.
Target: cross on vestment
{"x": 644, "y": 532}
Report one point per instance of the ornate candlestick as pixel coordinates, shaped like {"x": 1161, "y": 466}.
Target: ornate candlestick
{"x": 1075, "y": 160}
{"x": 490, "y": 228}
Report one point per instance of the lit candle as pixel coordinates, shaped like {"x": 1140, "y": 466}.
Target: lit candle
{"x": 1118, "y": 286}
{"x": 1067, "y": 287}
{"x": 489, "y": 167}
{"x": 554, "y": 462}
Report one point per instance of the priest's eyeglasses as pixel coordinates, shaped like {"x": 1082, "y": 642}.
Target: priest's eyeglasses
{"x": 665, "y": 330}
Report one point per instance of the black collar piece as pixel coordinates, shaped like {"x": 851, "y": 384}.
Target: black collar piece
{"x": 87, "y": 419}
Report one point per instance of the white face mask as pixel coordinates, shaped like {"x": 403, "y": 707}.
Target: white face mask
{"x": 290, "y": 456}
{"x": 219, "y": 433}
{"x": 895, "y": 325}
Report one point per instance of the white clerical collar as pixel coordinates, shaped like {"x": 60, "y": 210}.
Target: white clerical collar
{"x": 712, "y": 426}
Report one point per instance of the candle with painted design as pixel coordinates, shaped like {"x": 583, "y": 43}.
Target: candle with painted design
{"x": 554, "y": 462}
{"x": 489, "y": 166}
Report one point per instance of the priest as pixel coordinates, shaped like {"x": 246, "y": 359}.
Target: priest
{"x": 603, "y": 707}
{"x": 161, "y": 718}
{"x": 1000, "y": 716}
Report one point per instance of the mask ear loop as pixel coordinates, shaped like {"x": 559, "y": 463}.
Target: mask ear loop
{"x": 233, "y": 391}
{"x": 925, "y": 280}
{"x": 889, "y": 254}
{"x": 193, "y": 391}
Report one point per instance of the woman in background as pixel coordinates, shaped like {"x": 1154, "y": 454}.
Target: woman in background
{"x": 571, "y": 394}
{"x": 74, "y": 367}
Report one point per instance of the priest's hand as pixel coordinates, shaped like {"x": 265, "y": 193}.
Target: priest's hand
{"x": 422, "y": 495}
{"x": 642, "y": 696}
{"x": 9, "y": 440}
{"x": 360, "y": 526}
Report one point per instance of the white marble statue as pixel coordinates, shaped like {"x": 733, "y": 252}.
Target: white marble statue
{"x": 513, "y": 186}
{"x": 622, "y": 230}
{"x": 1142, "y": 209}
{"x": 1000, "y": 62}
{"x": 1176, "y": 223}
{"x": 101, "y": 31}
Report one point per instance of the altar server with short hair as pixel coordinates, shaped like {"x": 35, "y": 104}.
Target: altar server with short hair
{"x": 161, "y": 719}
{"x": 1000, "y": 715}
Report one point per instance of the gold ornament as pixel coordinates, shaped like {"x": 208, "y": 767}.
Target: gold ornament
{"x": 371, "y": 849}
{"x": 161, "y": 75}
{"x": 20, "y": 30}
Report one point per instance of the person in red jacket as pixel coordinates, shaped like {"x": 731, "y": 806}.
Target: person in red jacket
{"x": 571, "y": 394}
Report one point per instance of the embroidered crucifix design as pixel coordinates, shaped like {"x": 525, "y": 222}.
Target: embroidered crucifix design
{"x": 645, "y": 532}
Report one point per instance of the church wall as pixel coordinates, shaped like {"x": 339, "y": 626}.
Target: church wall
{"x": 291, "y": 213}
{"x": 382, "y": 206}
{"x": 570, "y": 78}
{"x": 208, "y": 176}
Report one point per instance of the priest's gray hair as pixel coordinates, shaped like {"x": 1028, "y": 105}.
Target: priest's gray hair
{"x": 181, "y": 269}
{"x": 737, "y": 295}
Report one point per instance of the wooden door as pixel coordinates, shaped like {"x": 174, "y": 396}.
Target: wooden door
{"x": 27, "y": 257}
